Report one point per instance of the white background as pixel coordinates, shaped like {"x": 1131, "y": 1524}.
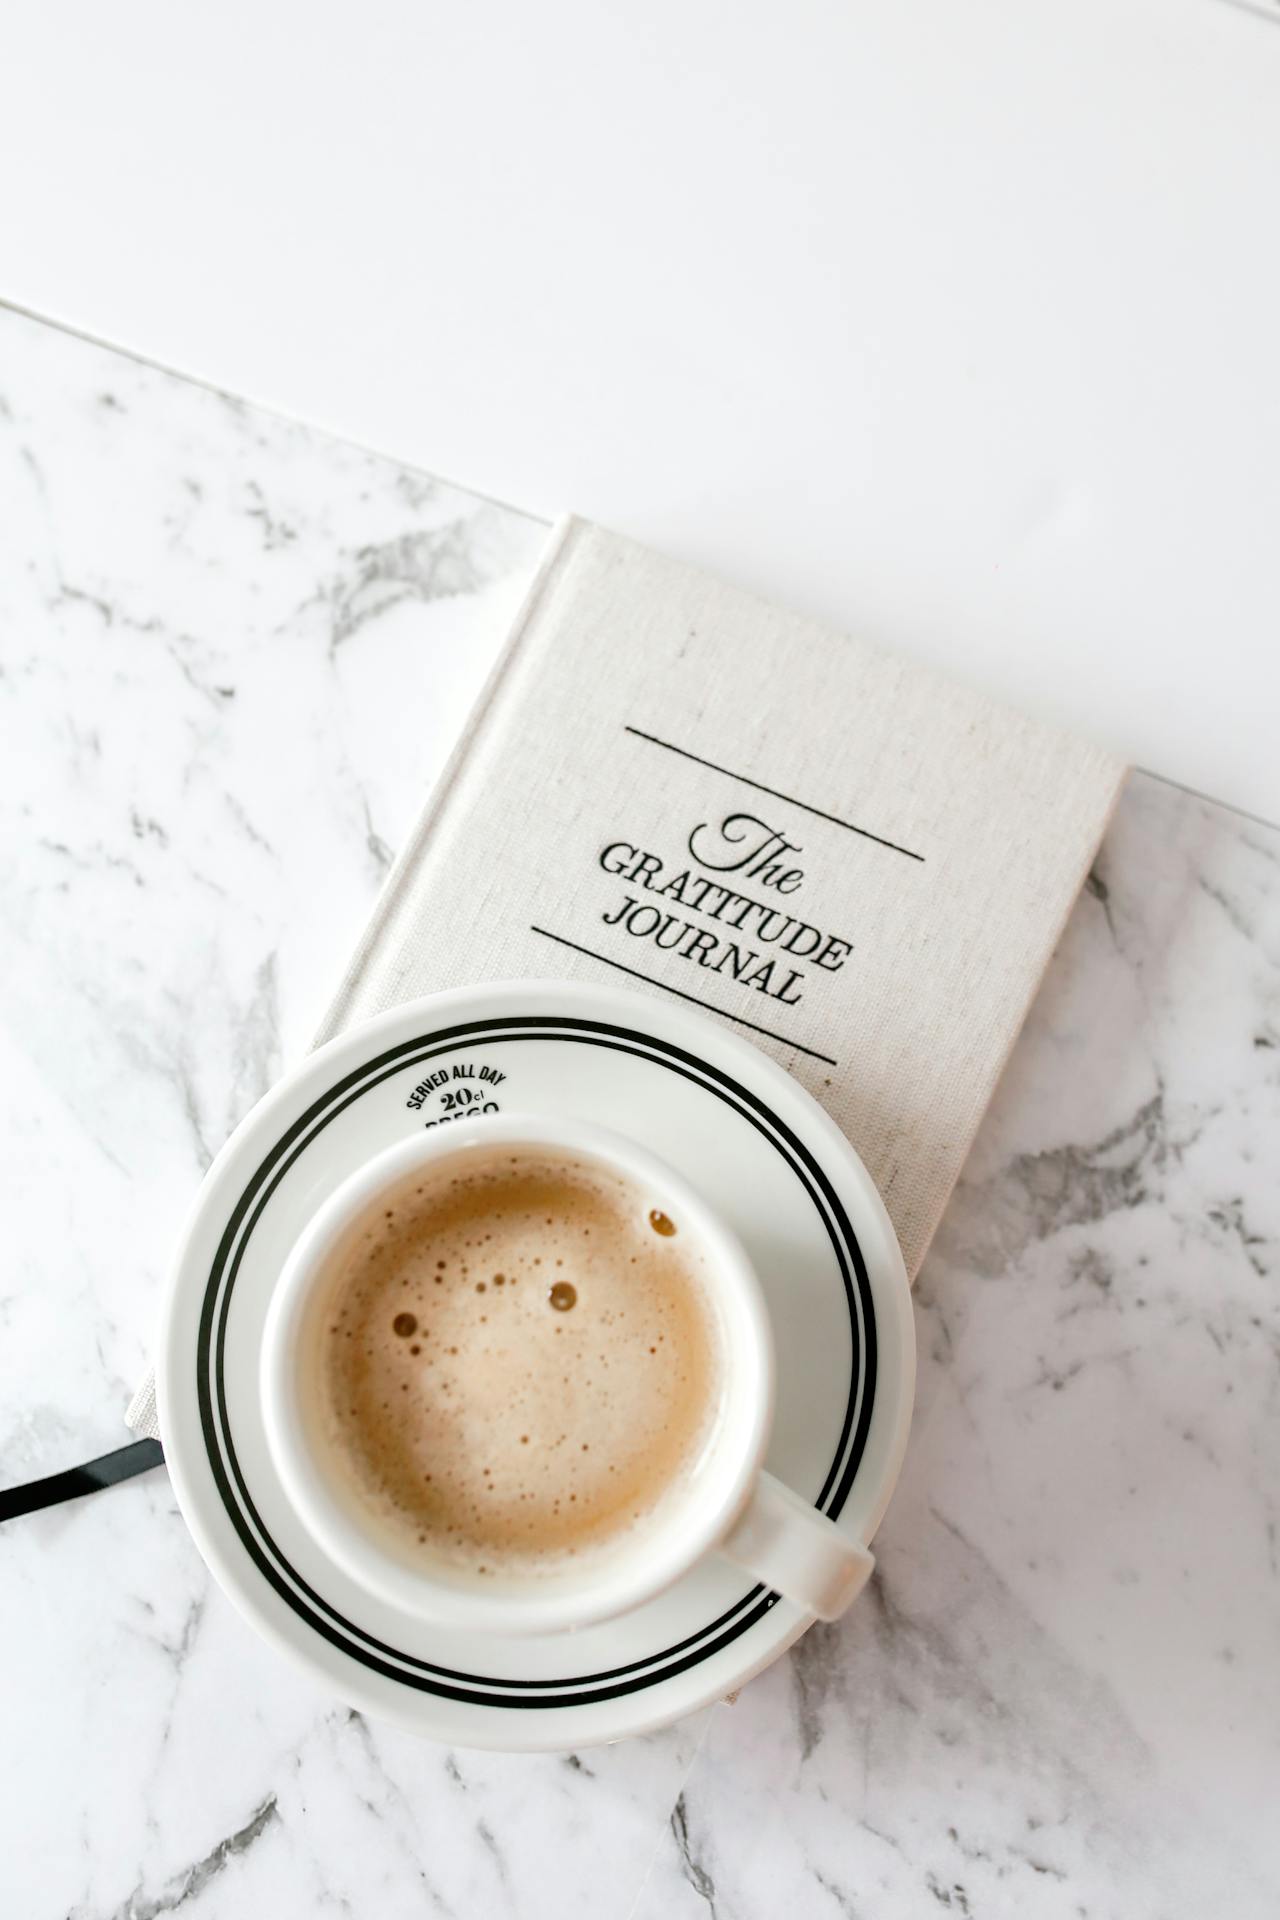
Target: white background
{"x": 959, "y": 325}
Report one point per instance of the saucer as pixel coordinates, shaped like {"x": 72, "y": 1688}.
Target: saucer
{"x": 758, "y": 1148}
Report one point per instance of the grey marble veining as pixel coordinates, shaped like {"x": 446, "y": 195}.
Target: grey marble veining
{"x": 1061, "y": 1694}
{"x": 234, "y": 655}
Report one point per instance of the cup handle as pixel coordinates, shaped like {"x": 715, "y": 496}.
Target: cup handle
{"x": 797, "y": 1551}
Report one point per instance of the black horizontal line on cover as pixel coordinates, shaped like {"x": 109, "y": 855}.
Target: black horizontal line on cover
{"x": 776, "y": 793}
{"x": 706, "y": 1005}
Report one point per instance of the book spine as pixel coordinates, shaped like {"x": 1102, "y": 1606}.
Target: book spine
{"x": 415, "y": 851}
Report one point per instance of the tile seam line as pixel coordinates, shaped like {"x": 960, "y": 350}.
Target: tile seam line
{"x": 713, "y": 1712}
{"x": 540, "y": 518}
{"x": 100, "y": 340}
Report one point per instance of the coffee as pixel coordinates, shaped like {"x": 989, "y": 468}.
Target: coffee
{"x": 519, "y": 1362}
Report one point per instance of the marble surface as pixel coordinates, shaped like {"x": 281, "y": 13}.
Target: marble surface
{"x": 233, "y": 654}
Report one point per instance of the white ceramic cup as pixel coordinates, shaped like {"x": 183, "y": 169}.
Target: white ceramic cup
{"x": 728, "y": 1504}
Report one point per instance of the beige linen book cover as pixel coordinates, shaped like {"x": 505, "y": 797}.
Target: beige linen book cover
{"x": 673, "y": 785}
{"x": 670, "y": 784}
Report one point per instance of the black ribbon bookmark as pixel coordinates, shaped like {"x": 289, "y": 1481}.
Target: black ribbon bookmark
{"x": 106, "y": 1471}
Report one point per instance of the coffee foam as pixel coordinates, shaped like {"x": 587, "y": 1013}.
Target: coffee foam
{"x": 520, "y": 1363}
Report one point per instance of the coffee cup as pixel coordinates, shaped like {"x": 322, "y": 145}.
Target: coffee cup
{"x": 397, "y": 1357}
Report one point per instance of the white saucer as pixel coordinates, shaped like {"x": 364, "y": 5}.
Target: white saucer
{"x": 743, "y": 1132}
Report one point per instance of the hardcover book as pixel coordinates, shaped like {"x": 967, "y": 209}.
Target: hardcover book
{"x": 669, "y": 783}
